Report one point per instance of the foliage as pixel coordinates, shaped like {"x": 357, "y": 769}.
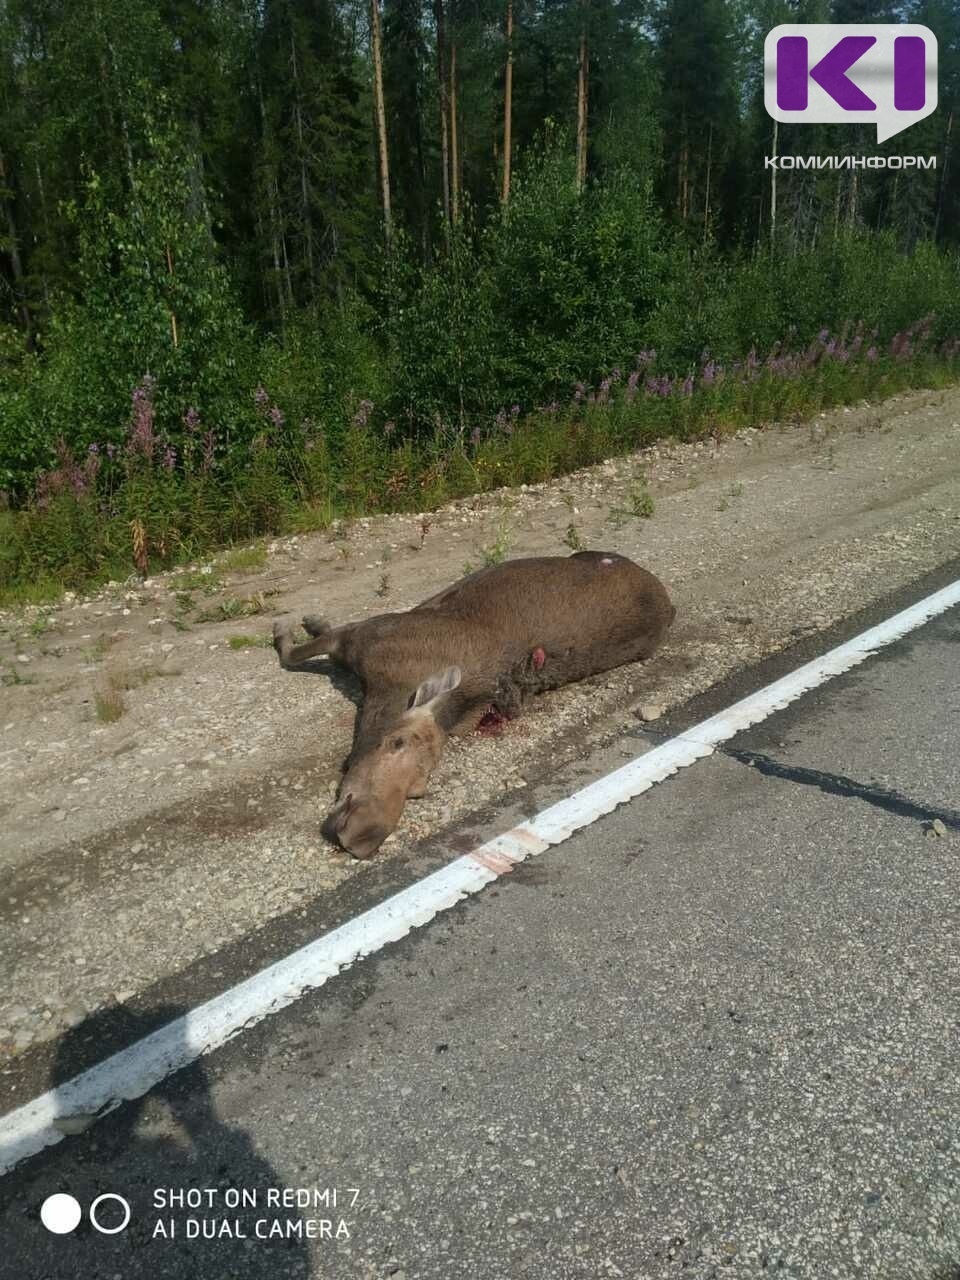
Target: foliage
{"x": 203, "y": 338}
{"x": 151, "y": 298}
{"x": 143, "y": 505}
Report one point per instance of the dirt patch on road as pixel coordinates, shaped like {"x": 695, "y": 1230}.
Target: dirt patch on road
{"x": 135, "y": 845}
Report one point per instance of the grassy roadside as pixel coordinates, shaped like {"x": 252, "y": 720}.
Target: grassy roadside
{"x": 146, "y": 506}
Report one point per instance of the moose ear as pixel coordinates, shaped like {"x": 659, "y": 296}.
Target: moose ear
{"x": 435, "y": 686}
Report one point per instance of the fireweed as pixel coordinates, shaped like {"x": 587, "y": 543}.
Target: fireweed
{"x": 189, "y": 495}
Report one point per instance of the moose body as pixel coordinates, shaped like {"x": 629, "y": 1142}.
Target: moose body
{"x": 486, "y": 641}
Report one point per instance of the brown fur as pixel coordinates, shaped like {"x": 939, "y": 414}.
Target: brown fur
{"x": 589, "y": 612}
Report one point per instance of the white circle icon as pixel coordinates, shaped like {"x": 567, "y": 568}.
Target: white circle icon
{"x": 60, "y": 1213}
{"x": 109, "y": 1195}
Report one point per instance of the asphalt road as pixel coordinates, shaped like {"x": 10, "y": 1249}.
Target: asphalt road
{"x": 717, "y": 1034}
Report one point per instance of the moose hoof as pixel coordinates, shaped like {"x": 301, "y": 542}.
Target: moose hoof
{"x": 283, "y": 639}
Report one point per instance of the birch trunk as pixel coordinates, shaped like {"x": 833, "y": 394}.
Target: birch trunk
{"x": 305, "y": 217}
{"x": 376, "y": 45}
{"x": 41, "y": 189}
{"x": 273, "y": 213}
{"x": 943, "y": 177}
{"x": 583, "y": 72}
{"x": 508, "y": 108}
{"x": 444, "y": 126}
{"x": 454, "y": 140}
{"x": 773, "y": 188}
{"x": 706, "y": 196}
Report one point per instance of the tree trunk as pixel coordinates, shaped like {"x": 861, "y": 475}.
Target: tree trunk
{"x": 13, "y": 249}
{"x": 444, "y": 126}
{"x": 507, "y": 107}
{"x": 836, "y": 208}
{"x": 273, "y": 214}
{"x": 799, "y": 219}
{"x": 761, "y": 210}
{"x": 943, "y": 177}
{"x": 286, "y": 275}
{"x": 454, "y": 140}
{"x": 279, "y": 255}
{"x": 773, "y": 189}
{"x": 375, "y": 41}
{"x": 583, "y": 74}
{"x": 199, "y": 205}
{"x": 48, "y": 238}
{"x": 117, "y": 96}
{"x": 706, "y": 195}
{"x": 853, "y": 201}
{"x": 306, "y": 220}
{"x": 173, "y": 315}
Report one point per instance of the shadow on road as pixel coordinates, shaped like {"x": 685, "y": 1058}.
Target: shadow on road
{"x": 160, "y": 1153}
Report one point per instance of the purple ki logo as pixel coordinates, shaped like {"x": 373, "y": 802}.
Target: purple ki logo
{"x": 851, "y": 73}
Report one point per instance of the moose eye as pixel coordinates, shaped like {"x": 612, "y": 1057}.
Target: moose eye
{"x": 396, "y": 744}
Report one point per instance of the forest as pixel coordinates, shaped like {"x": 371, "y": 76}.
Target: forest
{"x": 269, "y": 263}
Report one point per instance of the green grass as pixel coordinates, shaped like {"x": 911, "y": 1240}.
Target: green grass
{"x": 13, "y": 677}
{"x": 108, "y": 700}
{"x": 109, "y": 704}
{"x": 735, "y": 491}
{"x": 640, "y": 505}
{"x": 40, "y": 625}
{"x": 573, "y": 539}
{"x": 43, "y": 590}
{"x": 641, "y": 500}
{"x": 195, "y": 580}
{"x": 233, "y": 607}
{"x": 243, "y": 559}
{"x": 250, "y": 642}
{"x": 79, "y": 541}
{"x": 97, "y": 651}
{"x": 135, "y": 677}
{"x": 496, "y": 552}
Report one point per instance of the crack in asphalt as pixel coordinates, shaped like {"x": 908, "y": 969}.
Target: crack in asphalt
{"x": 837, "y": 784}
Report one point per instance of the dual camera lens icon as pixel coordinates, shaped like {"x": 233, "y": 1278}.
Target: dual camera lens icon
{"x": 61, "y": 1214}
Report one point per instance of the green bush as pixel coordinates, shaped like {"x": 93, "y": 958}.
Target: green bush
{"x": 154, "y": 423}
{"x": 151, "y": 298}
{"x": 556, "y": 288}
{"x": 148, "y": 503}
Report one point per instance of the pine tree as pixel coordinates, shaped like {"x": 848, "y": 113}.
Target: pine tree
{"x": 698, "y": 105}
{"x": 315, "y": 177}
{"x": 405, "y": 76}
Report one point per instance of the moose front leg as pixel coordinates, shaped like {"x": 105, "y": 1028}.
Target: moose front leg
{"x": 505, "y": 705}
{"x": 515, "y": 686}
{"x": 510, "y": 692}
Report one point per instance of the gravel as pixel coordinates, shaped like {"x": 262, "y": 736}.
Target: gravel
{"x": 132, "y": 849}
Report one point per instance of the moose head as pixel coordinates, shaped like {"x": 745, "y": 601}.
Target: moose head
{"x": 400, "y": 738}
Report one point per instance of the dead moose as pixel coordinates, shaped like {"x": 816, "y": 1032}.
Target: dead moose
{"x": 479, "y": 646}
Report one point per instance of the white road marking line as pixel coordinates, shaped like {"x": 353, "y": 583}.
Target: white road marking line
{"x": 134, "y": 1070}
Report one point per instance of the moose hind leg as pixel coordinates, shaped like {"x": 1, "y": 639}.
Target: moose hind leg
{"x": 323, "y": 641}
